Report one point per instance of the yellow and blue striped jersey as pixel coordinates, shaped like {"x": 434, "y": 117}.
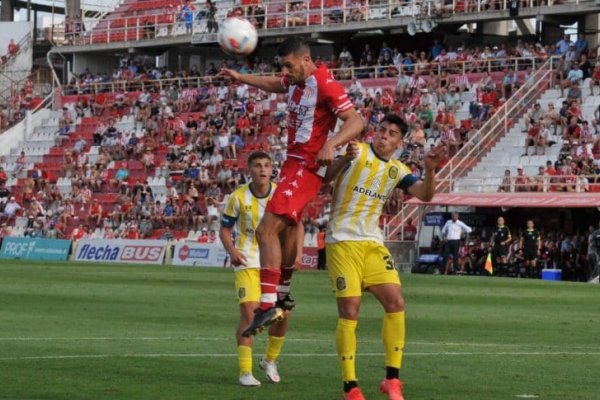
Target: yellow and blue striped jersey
{"x": 360, "y": 192}
{"x": 243, "y": 213}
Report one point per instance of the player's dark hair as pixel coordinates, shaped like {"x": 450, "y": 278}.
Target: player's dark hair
{"x": 396, "y": 120}
{"x": 258, "y": 155}
{"x": 293, "y": 45}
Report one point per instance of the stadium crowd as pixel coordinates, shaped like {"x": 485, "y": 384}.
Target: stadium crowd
{"x": 194, "y": 133}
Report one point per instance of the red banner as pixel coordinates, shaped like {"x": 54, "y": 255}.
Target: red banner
{"x": 309, "y": 258}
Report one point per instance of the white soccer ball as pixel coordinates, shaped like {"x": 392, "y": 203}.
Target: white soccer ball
{"x": 237, "y": 36}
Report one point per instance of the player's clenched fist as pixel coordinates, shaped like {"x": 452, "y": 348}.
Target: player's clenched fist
{"x": 352, "y": 149}
{"x": 229, "y": 73}
{"x": 435, "y": 156}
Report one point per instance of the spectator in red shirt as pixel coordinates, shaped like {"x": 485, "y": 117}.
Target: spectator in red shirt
{"x": 522, "y": 182}
{"x": 203, "y": 236}
{"x": 243, "y": 126}
{"x": 3, "y": 176}
{"x": 531, "y": 139}
{"x": 95, "y": 216}
{"x": 81, "y": 232}
{"x": 133, "y": 232}
{"x": 12, "y": 48}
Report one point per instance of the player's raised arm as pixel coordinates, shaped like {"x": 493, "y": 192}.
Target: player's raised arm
{"x": 268, "y": 83}
{"x": 350, "y": 129}
{"x": 342, "y": 162}
{"x": 424, "y": 190}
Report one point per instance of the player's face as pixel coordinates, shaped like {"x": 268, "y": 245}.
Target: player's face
{"x": 529, "y": 224}
{"x": 387, "y": 139}
{"x": 261, "y": 170}
{"x": 501, "y": 221}
{"x": 294, "y": 67}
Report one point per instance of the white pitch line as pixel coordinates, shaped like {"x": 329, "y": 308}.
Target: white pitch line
{"x": 302, "y": 355}
{"x": 227, "y": 339}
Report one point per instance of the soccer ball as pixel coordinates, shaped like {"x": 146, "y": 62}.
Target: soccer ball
{"x": 237, "y": 36}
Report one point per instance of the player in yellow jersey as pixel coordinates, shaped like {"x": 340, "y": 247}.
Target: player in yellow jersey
{"x": 356, "y": 256}
{"x": 244, "y": 210}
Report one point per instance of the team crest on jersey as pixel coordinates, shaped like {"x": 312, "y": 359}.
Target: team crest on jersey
{"x": 393, "y": 172}
{"x": 309, "y": 92}
{"x": 340, "y": 283}
{"x": 241, "y": 293}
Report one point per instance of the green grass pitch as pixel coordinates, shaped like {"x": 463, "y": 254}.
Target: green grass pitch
{"x": 92, "y": 331}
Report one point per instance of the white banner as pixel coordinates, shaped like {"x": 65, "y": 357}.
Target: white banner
{"x": 199, "y": 254}
{"x": 121, "y": 251}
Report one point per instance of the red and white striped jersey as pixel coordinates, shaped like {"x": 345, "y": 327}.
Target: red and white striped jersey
{"x": 313, "y": 107}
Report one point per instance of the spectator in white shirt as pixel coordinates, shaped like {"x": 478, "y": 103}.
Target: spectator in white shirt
{"x": 356, "y": 87}
{"x": 242, "y": 92}
{"x": 10, "y": 209}
{"x": 451, "y": 233}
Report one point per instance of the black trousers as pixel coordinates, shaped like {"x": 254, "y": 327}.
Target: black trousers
{"x": 451, "y": 247}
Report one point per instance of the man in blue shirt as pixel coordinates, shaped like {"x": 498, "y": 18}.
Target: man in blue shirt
{"x": 581, "y": 45}
{"x": 563, "y": 45}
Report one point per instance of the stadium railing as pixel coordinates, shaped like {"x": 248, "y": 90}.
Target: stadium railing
{"x": 482, "y": 142}
{"x": 376, "y": 71}
{"x": 535, "y": 184}
{"x": 280, "y": 14}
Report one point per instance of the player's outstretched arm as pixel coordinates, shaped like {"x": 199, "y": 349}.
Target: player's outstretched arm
{"x": 350, "y": 129}
{"x": 268, "y": 83}
{"x": 425, "y": 189}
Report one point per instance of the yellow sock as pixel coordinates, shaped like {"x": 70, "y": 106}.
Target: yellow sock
{"x": 345, "y": 340}
{"x": 274, "y": 344}
{"x": 245, "y": 359}
{"x": 393, "y": 338}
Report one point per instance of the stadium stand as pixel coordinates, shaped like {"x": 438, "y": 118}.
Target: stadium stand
{"x": 135, "y": 20}
{"x": 104, "y": 146}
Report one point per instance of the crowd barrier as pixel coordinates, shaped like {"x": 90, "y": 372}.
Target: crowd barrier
{"x": 183, "y": 253}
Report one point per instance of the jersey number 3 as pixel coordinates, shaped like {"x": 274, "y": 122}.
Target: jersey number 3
{"x": 389, "y": 262}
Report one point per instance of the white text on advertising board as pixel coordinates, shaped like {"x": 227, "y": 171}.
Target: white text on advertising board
{"x": 19, "y": 250}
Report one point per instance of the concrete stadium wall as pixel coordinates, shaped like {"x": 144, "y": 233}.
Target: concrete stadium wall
{"x": 13, "y": 30}
{"x": 95, "y": 62}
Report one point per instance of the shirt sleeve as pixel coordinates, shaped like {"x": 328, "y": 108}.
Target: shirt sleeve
{"x": 335, "y": 95}
{"x": 231, "y": 213}
{"x": 466, "y": 227}
{"x": 406, "y": 182}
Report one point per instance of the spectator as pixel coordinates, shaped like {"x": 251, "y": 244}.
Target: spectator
{"x": 551, "y": 117}
{"x": 581, "y": 45}
{"x": 10, "y": 210}
{"x": 539, "y": 182}
{"x": 522, "y": 182}
{"x": 575, "y": 93}
{"x": 506, "y": 183}
{"x": 574, "y": 76}
{"x": 509, "y": 83}
{"x": 13, "y": 48}
{"x": 21, "y": 164}
{"x": 563, "y": 45}
{"x": 409, "y": 230}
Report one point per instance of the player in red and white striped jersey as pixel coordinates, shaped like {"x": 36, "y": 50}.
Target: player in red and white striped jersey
{"x": 315, "y": 102}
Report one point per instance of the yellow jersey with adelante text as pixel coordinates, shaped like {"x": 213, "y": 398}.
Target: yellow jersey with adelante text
{"x": 360, "y": 192}
{"x": 243, "y": 212}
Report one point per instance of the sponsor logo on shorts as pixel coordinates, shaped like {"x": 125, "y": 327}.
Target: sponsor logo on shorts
{"x": 340, "y": 283}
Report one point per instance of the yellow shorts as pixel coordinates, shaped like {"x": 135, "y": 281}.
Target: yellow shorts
{"x": 355, "y": 265}
{"x": 247, "y": 285}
